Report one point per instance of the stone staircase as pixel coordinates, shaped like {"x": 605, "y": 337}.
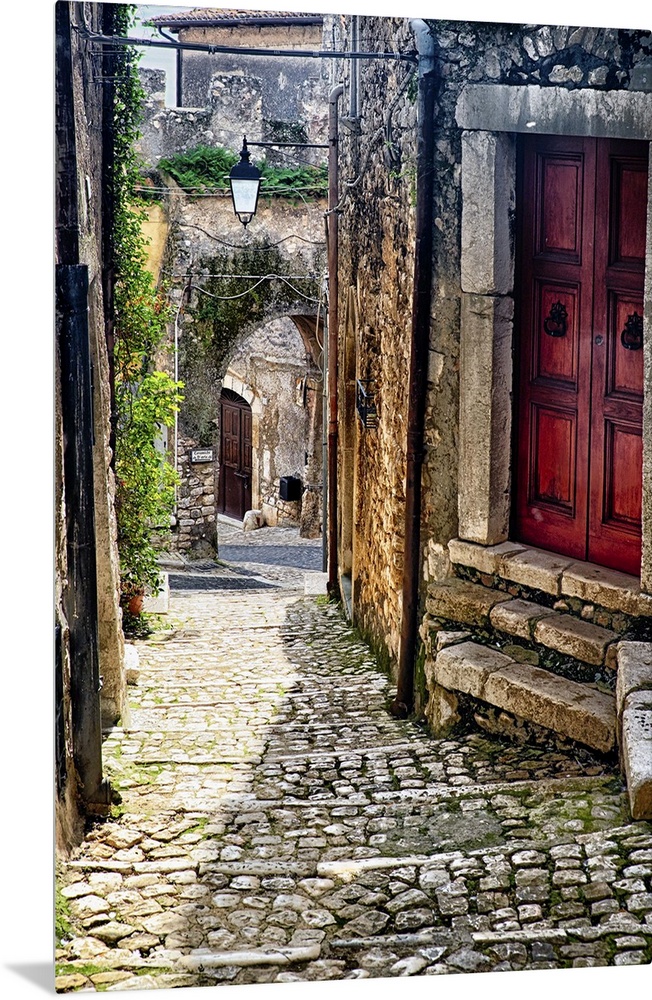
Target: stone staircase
{"x": 508, "y": 647}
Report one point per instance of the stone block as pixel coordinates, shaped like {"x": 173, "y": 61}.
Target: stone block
{"x": 518, "y": 617}
{"x": 606, "y": 587}
{"x": 582, "y": 640}
{"x": 537, "y": 569}
{"x": 467, "y": 667}
{"x": 461, "y": 601}
{"x": 634, "y": 670}
{"x": 441, "y": 710}
{"x": 488, "y": 185}
{"x": 485, "y": 558}
{"x": 636, "y": 753}
{"x": 485, "y": 417}
{"x": 574, "y": 710}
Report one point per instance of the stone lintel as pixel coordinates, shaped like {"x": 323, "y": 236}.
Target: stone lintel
{"x": 533, "y": 109}
{"x": 634, "y": 670}
{"x": 484, "y": 558}
{"x": 606, "y": 587}
{"x": 636, "y": 754}
{"x": 580, "y": 639}
{"x": 485, "y": 417}
{"x": 518, "y": 617}
{"x": 566, "y": 707}
{"x": 536, "y": 568}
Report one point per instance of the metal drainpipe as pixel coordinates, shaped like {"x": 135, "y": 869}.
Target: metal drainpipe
{"x": 418, "y": 383}
{"x": 333, "y": 195}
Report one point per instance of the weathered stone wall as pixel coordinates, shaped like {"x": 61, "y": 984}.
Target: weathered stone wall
{"x": 376, "y": 267}
{"x": 195, "y": 523}
{"x": 376, "y": 261}
{"x": 87, "y": 98}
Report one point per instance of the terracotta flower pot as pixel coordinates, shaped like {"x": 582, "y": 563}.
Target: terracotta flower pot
{"x": 135, "y": 605}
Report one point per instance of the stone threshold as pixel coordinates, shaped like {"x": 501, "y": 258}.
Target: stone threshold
{"x": 554, "y": 574}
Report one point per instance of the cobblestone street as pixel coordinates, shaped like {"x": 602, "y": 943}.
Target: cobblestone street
{"x": 277, "y": 824}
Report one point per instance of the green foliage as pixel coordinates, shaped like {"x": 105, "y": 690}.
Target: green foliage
{"x": 145, "y": 399}
{"x": 62, "y": 925}
{"x": 218, "y": 321}
{"x": 202, "y": 168}
{"x": 206, "y": 168}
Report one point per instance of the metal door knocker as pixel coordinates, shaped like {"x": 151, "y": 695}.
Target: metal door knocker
{"x": 555, "y": 322}
{"x": 632, "y": 336}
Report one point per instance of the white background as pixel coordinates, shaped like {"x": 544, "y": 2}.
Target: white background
{"x": 26, "y": 520}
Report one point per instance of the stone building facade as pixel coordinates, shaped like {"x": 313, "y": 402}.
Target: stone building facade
{"x": 273, "y": 360}
{"x": 90, "y": 677}
{"x": 495, "y": 87}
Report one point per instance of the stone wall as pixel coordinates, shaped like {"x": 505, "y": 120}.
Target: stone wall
{"x": 376, "y": 261}
{"x": 195, "y": 523}
{"x": 86, "y": 100}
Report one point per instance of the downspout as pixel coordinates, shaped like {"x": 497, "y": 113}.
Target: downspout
{"x": 333, "y": 195}
{"x": 418, "y": 377}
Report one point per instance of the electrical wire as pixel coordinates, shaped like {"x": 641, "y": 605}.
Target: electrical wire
{"x": 241, "y": 295}
{"x": 244, "y": 246}
{"x": 206, "y": 274}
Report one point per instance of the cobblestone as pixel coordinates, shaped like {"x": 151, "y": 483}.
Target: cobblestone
{"x": 278, "y": 825}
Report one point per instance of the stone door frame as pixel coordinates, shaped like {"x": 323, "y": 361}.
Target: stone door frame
{"x": 491, "y": 116}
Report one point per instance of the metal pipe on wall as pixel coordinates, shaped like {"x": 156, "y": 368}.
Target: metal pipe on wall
{"x": 418, "y": 378}
{"x": 333, "y": 197}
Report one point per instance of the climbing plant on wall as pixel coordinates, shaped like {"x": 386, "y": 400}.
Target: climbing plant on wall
{"x": 146, "y": 399}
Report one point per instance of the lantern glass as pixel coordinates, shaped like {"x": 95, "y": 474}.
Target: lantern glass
{"x": 245, "y": 183}
{"x": 245, "y": 197}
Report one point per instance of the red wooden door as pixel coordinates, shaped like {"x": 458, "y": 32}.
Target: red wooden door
{"x": 582, "y": 205}
{"x": 235, "y": 455}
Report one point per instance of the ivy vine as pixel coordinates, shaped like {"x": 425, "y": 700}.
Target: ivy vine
{"x": 145, "y": 399}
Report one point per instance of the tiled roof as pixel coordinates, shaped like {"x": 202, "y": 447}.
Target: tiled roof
{"x": 218, "y": 15}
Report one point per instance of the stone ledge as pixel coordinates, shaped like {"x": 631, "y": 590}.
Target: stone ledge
{"x": 484, "y": 558}
{"x": 582, "y": 640}
{"x": 554, "y": 574}
{"x": 636, "y": 752}
{"x": 606, "y": 587}
{"x": 518, "y": 617}
{"x": 461, "y": 601}
{"x": 634, "y": 670}
{"x": 574, "y": 710}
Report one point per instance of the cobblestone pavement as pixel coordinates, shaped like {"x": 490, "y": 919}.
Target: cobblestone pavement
{"x": 278, "y": 825}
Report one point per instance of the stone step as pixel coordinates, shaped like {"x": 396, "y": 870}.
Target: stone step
{"x": 472, "y": 604}
{"x": 576, "y": 711}
{"x": 461, "y": 601}
{"x": 634, "y": 706}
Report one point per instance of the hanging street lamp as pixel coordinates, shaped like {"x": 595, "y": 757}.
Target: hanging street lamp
{"x": 245, "y": 185}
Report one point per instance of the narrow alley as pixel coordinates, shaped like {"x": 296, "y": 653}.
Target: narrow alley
{"x": 277, "y": 824}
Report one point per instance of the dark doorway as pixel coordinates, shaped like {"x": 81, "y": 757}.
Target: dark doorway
{"x": 235, "y": 455}
{"x": 582, "y": 205}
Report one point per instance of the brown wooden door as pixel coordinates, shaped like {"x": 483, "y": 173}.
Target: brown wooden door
{"x": 235, "y": 455}
{"x": 582, "y": 207}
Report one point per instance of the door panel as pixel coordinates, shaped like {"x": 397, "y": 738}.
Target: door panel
{"x": 235, "y": 456}
{"x": 553, "y": 337}
{"x": 614, "y": 529}
{"x": 582, "y": 206}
